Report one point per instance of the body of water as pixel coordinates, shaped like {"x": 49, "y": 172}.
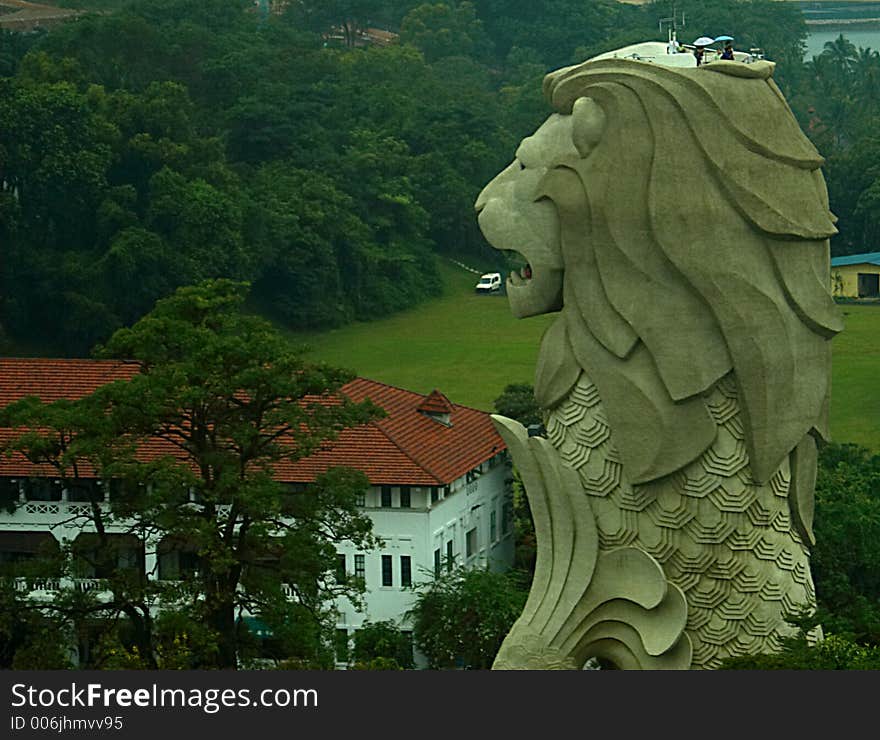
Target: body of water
{"x": 843, "y": 12}
{"x": 862, "y": 37}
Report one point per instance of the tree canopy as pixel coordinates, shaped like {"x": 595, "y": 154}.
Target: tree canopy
{"x": 382, "y": 644}
{"x": 156, "y": 144}
{"x": 161, "y": 143}
{"x": 221, "y": 400}
{"x": 461, "y": 617}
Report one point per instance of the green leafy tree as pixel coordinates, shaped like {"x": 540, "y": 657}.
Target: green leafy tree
{"x": 846, "y": 559}
{"x": 382, "y": 641}
{"x": 348, "y": 18}
{"x": 555, "y": 29}
{"x": 302, "y": 223}
{"x": 521, "y": 95}
{"x": 445, "y": 30}
{"x": 227, "y": 401}
{"x": 461, "y": 618}
{"x": 28, "y": 637}
{"x": 395, "y": 269}
{"x": 117, "y": 50}
{"x": 517, "y": 401}
{"x": 135, "y": 271}
{"x": 800, "y": 652}
{"x": 14, "y": 46}
{"x": 202, "y": 225}
{"x": 56, "y": 154}
{"x": 842, "y": 53}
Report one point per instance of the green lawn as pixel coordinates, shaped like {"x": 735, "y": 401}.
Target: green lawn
{"x": 467, "y": 346}
{"x": 855, "y": 389}
{"x": 470, "y": 347}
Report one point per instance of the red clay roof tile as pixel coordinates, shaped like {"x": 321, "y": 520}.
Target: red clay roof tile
{"x": 404, "y": 448}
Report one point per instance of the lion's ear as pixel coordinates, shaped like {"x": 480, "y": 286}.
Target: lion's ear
{"x": 588, "y": 123}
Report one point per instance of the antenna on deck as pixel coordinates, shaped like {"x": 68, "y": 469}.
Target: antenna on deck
{"x": 672, "y": 24}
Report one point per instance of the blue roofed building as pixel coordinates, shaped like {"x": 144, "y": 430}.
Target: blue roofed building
{"x": 856, "y": 275}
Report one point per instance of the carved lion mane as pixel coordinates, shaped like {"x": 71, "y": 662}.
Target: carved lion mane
{"x": 679, "y": 221}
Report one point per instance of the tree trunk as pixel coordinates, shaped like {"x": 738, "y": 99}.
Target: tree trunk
{"x": 142, "y": 624}
{"x": 220, "y": 606}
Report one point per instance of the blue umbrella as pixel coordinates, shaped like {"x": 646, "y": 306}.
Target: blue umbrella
{"x": 724, "y": 38}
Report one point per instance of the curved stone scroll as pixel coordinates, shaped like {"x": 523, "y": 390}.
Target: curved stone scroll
{"x": 616, "y": 605}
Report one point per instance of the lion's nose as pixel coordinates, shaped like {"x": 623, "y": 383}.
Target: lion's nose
{"x": 486, "y": 194}
{"x": 500, "y": 179}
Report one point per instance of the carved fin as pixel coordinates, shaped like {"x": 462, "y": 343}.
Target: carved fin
{"x": 801, "y": 493}
{"x": 618, "y": 605}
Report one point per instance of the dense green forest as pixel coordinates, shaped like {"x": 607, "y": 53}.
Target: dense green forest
{"x": 161, "y": 142}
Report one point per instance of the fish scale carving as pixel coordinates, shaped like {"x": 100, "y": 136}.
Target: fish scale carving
{"x": 713, "y": 533}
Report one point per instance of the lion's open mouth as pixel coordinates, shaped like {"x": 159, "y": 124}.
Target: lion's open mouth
{"x": 506, "y": 218}
{"x": 533, "y": 288}
{"x": 521, "y": 277}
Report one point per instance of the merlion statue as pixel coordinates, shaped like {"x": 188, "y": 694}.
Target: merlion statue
{"x": 676, "y": 221}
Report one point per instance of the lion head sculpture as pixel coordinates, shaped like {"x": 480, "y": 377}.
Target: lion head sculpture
{"x": 678, "y": 221}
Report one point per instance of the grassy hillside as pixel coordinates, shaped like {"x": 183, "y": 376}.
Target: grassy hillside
{"x": 467, "y": 346}
{"x": 855, "y": 390}
{"x": 470, "y": 347}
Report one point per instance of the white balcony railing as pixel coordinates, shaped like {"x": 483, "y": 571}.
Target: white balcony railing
{"x": 55, "y": 508}
{"x": 30, "y": 585}
{"x": 38, "y": 586}
{"x": 88, "y": 584}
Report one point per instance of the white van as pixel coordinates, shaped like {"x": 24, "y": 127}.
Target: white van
{"x": 489, "y": 283}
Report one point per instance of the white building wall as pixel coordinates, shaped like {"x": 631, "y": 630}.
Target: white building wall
{"x": 425, "y": 527}
{"x": 415, "y": 532}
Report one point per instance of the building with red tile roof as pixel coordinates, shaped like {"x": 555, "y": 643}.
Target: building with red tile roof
{"x": 439, "y": 485}
{"x": 423, "y": 440}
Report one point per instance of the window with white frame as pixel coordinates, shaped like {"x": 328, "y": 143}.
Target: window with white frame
{"x": 341, "y": 646}
{"x": 470, "y": 543}
{"x": 42, "y": 489}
